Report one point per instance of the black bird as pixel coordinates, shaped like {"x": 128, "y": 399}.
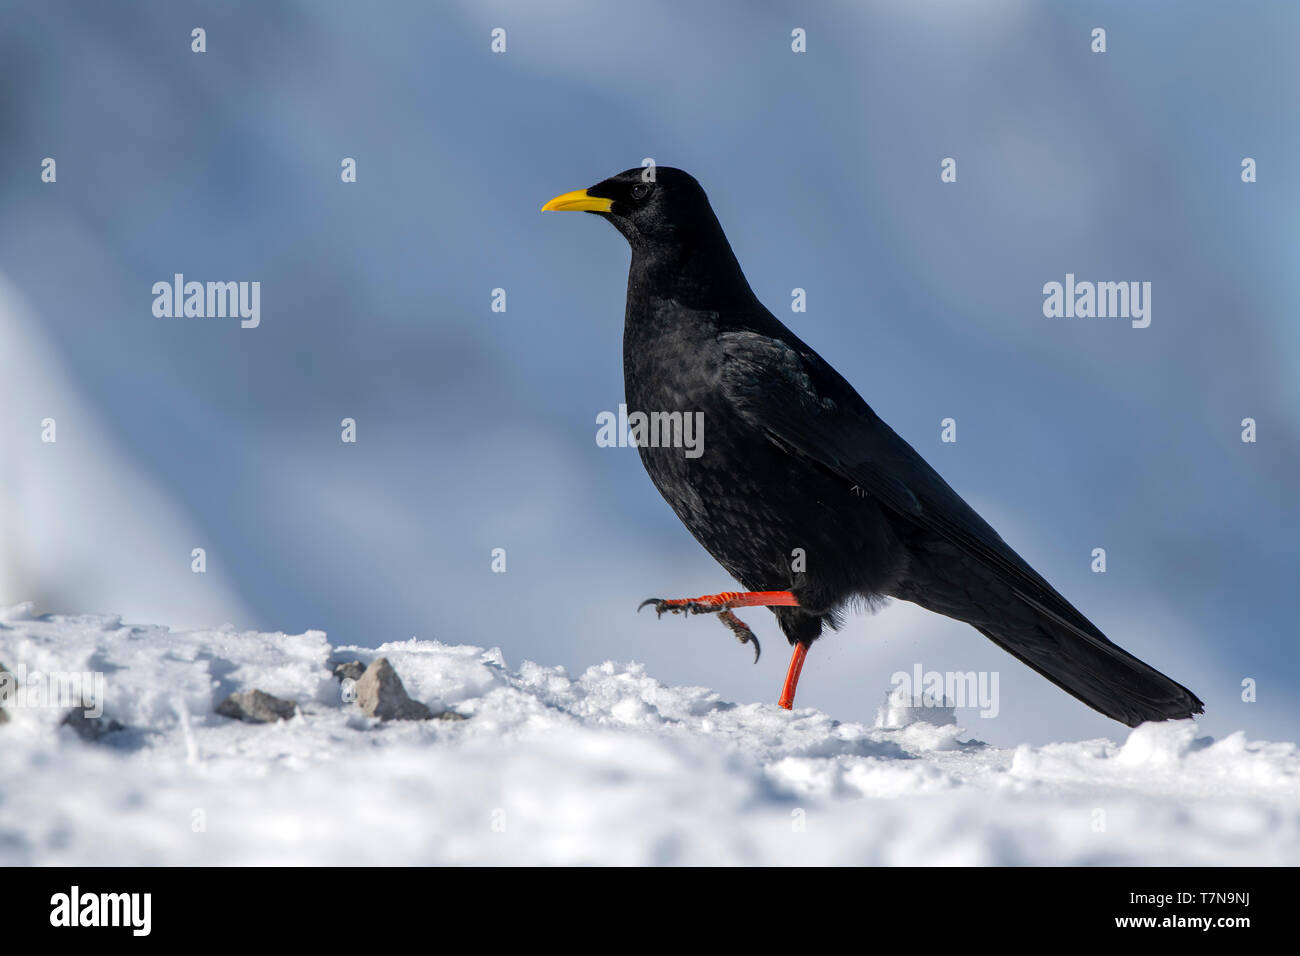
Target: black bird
{"x": 794, "y": 463}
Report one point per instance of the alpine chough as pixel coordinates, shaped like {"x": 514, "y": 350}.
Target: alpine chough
{"x": 793, "y": 458}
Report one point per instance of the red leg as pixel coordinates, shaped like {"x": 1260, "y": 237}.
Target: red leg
{"x": 725, "y": 601}
{"x": 792, "y": 676}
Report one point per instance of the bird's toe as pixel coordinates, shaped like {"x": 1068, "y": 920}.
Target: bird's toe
{"x": 659, "y": 604}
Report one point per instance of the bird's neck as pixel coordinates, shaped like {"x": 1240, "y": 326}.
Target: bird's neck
{"x": 699, "y": 272}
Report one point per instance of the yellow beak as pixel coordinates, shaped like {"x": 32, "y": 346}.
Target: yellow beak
{"x": 578, "y": 201}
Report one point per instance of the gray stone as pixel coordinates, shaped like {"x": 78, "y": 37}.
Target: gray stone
{"x": 89, "y": 729}
{"x": 256, "y": 707}
{"x": 380, "y": 694}
{"x": 6, "y": 687}
{"x": 349, "y": 670}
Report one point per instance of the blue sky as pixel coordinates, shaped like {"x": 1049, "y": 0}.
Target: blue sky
{"x": 477, "y": 429}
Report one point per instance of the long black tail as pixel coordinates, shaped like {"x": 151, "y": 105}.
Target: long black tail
{"x": 1103, "y": 675}
{"x": 1050, "y": 635}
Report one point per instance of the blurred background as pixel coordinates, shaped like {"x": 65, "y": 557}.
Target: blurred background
{"x": 476, "y": 429}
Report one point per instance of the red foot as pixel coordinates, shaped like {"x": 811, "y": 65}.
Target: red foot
{"x": 721, "y": 605}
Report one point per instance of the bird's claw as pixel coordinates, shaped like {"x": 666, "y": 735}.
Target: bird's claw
{"x": 660, "y": 606}
{"x": 678, "y": 607}
{"x": 742, "y": 632}
{"x": 735, "y": 624}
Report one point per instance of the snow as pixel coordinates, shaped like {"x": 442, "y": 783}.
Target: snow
{"x": 609, "y": 766}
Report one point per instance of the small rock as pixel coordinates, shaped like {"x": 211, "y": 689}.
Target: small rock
{"x": 380, "y": 694}
{"x": 256, "y": 707}
{"x": 8, "y": 684}
{"x": 89, "y": 729}
{"x": 349, "y": 670}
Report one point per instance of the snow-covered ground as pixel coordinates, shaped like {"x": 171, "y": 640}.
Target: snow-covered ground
{"x": 609, "y": 766}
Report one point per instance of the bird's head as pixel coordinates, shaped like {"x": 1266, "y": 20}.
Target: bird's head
{"x": 652, "y": 208}
{"x": 678, "y": 248}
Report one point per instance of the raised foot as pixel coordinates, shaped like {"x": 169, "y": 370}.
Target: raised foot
{"x": 721, "y": 605}
{"x": 713, "y": 603}
{"x": 681, "y": 606}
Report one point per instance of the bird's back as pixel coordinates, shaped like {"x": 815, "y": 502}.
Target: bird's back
{"x": 762, "y": 512}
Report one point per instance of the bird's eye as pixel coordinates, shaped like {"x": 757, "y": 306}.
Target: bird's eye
{"x": 640, "y": 191}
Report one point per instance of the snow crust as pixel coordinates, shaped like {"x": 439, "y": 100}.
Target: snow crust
{"x": 606, "y": 767}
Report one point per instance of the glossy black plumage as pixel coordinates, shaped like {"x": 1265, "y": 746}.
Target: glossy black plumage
{"x": 794, "y": 459}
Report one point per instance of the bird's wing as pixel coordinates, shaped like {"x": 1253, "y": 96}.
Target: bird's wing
{"x": 794, "y": 396}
